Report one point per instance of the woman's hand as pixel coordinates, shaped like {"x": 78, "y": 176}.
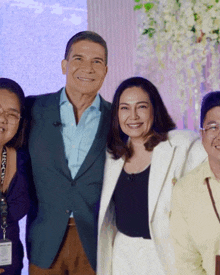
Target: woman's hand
{"x": 2, "y": 270}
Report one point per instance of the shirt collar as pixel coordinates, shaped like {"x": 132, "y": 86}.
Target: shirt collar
{"x": 95, "y": 104}
{"x": 63, "y": 97}
{"x": 207, "y": 172}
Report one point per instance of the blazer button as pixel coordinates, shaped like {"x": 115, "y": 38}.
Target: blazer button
{"x": 67, "y": 211}
{"x": 170, "y": 213}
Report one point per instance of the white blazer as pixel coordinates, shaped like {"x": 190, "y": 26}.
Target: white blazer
{"x": 171, "y": 159}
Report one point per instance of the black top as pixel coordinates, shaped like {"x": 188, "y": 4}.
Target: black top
{"x": 131, "y": 204}
{"x": 18, "y": 200}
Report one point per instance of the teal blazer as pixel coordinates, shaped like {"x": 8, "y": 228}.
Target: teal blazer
{"x": 55, "y": 192}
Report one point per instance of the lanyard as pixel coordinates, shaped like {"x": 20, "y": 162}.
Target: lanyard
{"x": 212, "y": 198}
{"x": 5, "y": 244}
{"x": 3, "y": 203}
{"x": 217, "y": 258}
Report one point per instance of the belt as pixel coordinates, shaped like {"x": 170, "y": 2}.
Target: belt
{"x": 71, "y": 222}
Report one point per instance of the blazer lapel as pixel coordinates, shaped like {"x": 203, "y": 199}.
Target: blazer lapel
{"x": 161, "y": 160}
{"x": 111, "y": 174}
{"x": 99, "y": 142}
{"x": 51, "y": 116}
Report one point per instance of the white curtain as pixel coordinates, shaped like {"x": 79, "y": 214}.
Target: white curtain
{"x": 115, "y": 21}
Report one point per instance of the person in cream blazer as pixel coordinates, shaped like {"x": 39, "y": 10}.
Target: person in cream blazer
{"x": 194, "y": 222}
{"x": 170, "y": 160}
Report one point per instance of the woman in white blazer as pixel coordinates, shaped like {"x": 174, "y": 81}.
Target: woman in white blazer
{"x": 145, "y": 158}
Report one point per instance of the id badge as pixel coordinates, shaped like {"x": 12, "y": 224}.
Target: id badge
{"x": 5, "y": 252}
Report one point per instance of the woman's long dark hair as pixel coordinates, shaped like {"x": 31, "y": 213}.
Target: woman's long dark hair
{"x": 117, "y": 140}
{"x": 13, "y": 87}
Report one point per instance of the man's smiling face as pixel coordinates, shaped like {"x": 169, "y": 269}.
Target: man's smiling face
{"x": 211, "y": 134}
{"x": 85, "y": 68}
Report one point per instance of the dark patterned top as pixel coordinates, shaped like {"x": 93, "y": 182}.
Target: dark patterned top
{"x": 18, "y": 201}
{"x": 131, "y": 204}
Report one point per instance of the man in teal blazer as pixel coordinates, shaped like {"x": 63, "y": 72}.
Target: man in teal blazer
{"x": 67, "y": 139}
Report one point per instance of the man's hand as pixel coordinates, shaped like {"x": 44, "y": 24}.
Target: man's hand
{"x": 2, "y": 270}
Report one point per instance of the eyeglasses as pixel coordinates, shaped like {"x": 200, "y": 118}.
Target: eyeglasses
{"x": 212, "y": 129}
{"x": 12, "y": 117}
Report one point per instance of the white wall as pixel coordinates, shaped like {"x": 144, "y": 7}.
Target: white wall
{"x": 33, "y": 37}
{"x": 115, "y": 21}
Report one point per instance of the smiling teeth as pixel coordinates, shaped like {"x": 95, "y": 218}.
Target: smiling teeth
{"x": 85, "y": 79}
{"x": 134, "y": 125}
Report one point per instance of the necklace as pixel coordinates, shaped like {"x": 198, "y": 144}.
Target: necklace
{"x": 3, "y": 203}
{"x": 3, "y": 166}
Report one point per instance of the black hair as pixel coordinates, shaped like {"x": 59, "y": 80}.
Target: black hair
{"x": 86, "y": 35}
{"x": 209, "y": 101}
{"x": 13, "y": 87}
{"x": 117, "y": 139}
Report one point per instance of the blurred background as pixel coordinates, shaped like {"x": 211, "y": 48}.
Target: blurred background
{"x": 33, "y": 37}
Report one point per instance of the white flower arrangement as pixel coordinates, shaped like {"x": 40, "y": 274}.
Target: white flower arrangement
{"x": 189, "y": 31}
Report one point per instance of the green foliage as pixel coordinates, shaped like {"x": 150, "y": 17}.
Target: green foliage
{"x": 148, "y": 6}
{"x": 153, "y": 24}
{"x": 193, "y": 29}
{"x": 195, "y": 16}
{"x": 138, "y": 7}
{"x": 149, "y": 31}
{"x": 216, "y": 31}
{"x": 145, "y": 31}
{"x": 178, "y": 3}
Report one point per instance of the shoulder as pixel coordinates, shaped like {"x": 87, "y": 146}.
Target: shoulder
{"x": 109, "y": 157}
{"x": 105, "y": 104}
{"x": 111, "y": 162}
{"x": 23, "y": 161}
{"x": 191, "y": 181}
{"x": 23, "y": 155}
{"x": 44, "y": 99}
{"x": 180, "y": 137}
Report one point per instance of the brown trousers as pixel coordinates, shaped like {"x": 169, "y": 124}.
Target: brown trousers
{"x": 71, "y": 258}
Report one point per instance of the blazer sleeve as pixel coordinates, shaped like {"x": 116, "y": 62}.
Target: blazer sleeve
{"x": 188, "y": 260}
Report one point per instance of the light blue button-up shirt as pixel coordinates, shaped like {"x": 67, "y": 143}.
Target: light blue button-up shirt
{"x": 78, "y": 138}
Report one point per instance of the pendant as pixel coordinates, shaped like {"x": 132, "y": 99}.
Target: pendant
{"x": 174, "y": 180}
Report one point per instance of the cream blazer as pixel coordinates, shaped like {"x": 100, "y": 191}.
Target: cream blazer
{"x": 171, "y": 159}
{"x": 194, "y": 225}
